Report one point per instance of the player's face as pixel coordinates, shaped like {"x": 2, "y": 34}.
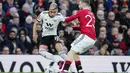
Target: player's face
{"x": 53, "y": 12}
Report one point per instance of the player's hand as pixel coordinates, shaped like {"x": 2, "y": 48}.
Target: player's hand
{"x": 35, "y": 38}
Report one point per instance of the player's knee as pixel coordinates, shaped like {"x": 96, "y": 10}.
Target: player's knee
{"x": 42, "y": 51}
{"x": 73, "y": 52}
{"x": 58, "y": 47}
{"x": 43, "y": 46}
{"x": 62, "y": 52}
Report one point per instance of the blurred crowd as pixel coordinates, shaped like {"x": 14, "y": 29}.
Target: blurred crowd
{"x": 112, "y": 26}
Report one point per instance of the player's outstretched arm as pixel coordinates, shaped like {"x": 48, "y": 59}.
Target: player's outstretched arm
{"x": 71, "y": 18}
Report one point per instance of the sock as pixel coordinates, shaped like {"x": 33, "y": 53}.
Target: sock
{"x": 63, "y": 55}
{"x": 79, "y": 66}
{"x": 67, "y": 65}
{"x": 47, "y": 55}
{"x": 60, "y": 63}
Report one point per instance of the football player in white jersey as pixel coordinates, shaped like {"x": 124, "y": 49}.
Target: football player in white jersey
{"x": 50, "y": 21}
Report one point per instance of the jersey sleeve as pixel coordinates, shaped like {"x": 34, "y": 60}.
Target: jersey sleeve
{"x": 40, "y": 17}
{"x": 61, "y": 18}
{"x": 73, "y": 17}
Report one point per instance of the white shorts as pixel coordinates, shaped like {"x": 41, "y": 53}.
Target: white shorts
{"x": 82, "y": 44}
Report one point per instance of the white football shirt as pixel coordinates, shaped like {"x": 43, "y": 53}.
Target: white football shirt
{"x": 49, "y": 24}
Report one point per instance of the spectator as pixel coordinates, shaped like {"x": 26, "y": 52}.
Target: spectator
{"x": 77, "y": 33}
{"x": 101, "y": 7}
{"x": 100, "y": 17}
{"x": 90, "y": 51}
{"x": 103, "y": 29}
{"x": 8, "y": 4}
{"x": 126, "y": 20}
{"x": 100, "y": 2}
{"x": 34, "y": 17}
{"x": 65, "y": 50}
{"x": 114, "y": 32}
{"x": 117, "y": 51}
{"x": 115, "y": 43}
{"x": 13, "y": 43}
{"x": 24, "y": 13}
{"x": 18, "y": 51}
{"x": 14, "y": 24}
{"x": 103, "y": 23}
{"x": 63, "y": 12}
{"x": 21, "y": 3}
{"x": 69, "y": 36}
{"x": 123, "y": 11}
{"x": 23, "y": 31}
{"x": 39, "y": 7}
{"x": 5, "y": 51}
{"x": 73, "y": 5}
{"x": 6, "y": 19}
{"x": 103, "y": 51}
{"x": 101, "y": 39}
{"x": 2, "y": 38}
{"x": 35, "y": 51}
{"x": 115, "y": 6}
{"x": 110, "y": 22}
{"x": 27, "y": 45}
{"x": 116, "y": 24}
{"x": 2, "y": 13}
{"x": 65, "y": 6}
{"x": 127, "y": 41}
{"x": 61, "y": 35}
{"x": 31, "y": 4}
{"x": 122, "y": 44}
{"x": 28, "y": 25}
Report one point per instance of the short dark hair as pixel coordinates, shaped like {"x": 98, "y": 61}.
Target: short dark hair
{"x": 86, "y": 1}
{"x": 128, "y": 11}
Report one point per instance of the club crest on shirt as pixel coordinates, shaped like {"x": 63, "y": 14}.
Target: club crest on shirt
{"x": 45, "y": 19}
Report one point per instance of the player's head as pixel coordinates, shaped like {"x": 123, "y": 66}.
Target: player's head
{"x": 84, "y": 3}
{"x": 53, "y": 9}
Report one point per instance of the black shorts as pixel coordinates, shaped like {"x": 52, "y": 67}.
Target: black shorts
{"x": 48, "y": 40}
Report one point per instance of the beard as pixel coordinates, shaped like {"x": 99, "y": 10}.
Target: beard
{"x": 12, "y": 38}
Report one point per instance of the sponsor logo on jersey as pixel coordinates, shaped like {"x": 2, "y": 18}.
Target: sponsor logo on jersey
{"x": 49, "y": 26}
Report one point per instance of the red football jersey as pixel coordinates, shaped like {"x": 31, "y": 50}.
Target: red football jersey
{"x": 87, "y": 22}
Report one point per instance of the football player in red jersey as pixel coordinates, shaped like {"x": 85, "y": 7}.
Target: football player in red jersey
{"x": 87, "y": 37}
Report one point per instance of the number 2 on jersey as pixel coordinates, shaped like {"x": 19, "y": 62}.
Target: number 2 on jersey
{"x": 88, "y": 23}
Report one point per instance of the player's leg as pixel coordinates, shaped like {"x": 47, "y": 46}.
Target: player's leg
{"x": 78, "y": 63}
{"x": 43, "y": 49}
{"x": 78, "y": 46}
{"x": 83, "y": 46}
{"x": 60, "y": 51}
{"x": 59, "y": 48}
{"x": 62, "y": 54}
{"x": 72, "y": 53}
